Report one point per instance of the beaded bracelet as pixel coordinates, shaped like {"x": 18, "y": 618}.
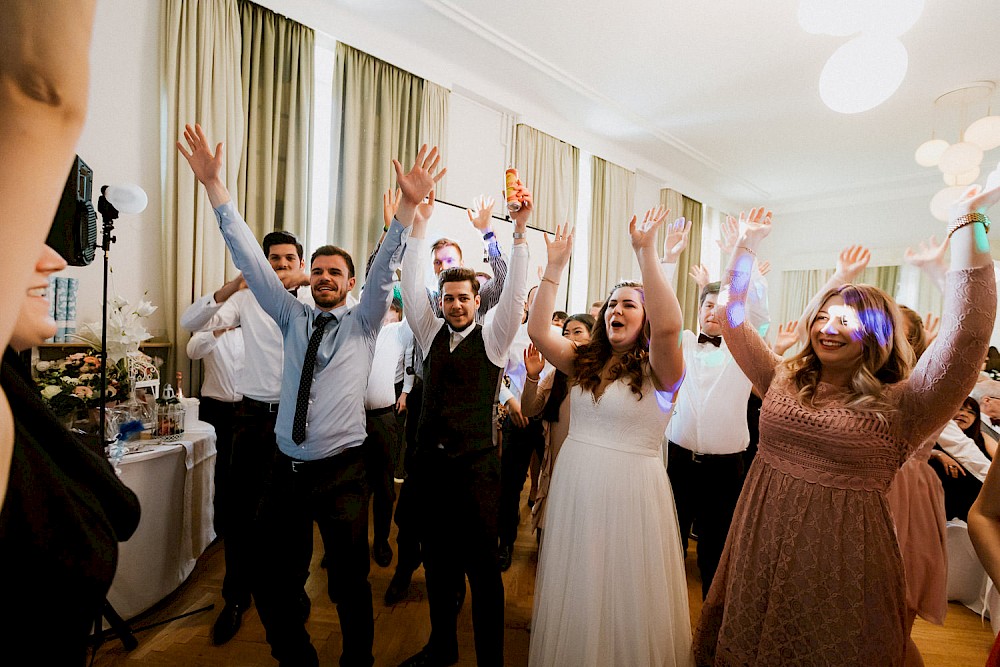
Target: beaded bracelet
{"x": 743, "y": 247}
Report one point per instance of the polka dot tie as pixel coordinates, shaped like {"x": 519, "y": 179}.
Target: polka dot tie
{"x": 305, "y": 382}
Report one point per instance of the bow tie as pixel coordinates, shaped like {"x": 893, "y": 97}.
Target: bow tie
{"x": 714, "y": 340}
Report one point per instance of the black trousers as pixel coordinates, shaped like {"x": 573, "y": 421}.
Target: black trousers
{"x": 959, "y": 492}
{"x": 333, "y": 493}
{"x": 221, "y": 415}
{"x": 407, "y": 512}
{"x": 251, "y": 462}
{"x": 378, "y": 448}
{"x": 518, "y": 446}
{"x": 706, "y": 489}
{"x": 458, "y": 500}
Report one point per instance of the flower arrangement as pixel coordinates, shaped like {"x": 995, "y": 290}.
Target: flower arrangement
{"x": 125, "y": 328}
{"x": 74, "y": 382}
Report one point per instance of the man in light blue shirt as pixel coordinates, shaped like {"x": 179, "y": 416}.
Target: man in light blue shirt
{"x": 319, "y": 471}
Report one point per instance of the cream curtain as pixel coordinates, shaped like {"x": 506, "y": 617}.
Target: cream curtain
{"x": 550, "y": 168}
{"x": 379, "y": 110}
{"x": 798, "y": 288}
{"x": 434, "y": 125}
{"x": 611, "y": 258}
{"x": 200, "y": 78}
{"x": 277, "y": 93}
{"x": 884, "y": 277}
{"x": 685, "y": 287}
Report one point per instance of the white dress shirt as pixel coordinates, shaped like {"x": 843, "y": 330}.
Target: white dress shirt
{"x": 964, "y": 450}
{"x": 261, "y": 379}
{"x": 223, "y": 356}
{"x": 498, "y": 333}
{"x": 390, "y": 347}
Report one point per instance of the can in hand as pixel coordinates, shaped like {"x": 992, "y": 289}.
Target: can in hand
{"x": 511, "y": 190}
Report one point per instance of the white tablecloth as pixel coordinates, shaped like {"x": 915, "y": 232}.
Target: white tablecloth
{"x": 175, "y": 483}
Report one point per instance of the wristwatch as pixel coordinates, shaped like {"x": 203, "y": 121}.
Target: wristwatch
{"x": 520, "y": 235}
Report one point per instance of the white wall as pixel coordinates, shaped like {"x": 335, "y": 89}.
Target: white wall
{"x": 120, "y": 142}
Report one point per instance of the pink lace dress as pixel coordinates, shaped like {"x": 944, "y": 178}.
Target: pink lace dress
{"x": 916, "y": 499}
{"x": 811, "y": 572}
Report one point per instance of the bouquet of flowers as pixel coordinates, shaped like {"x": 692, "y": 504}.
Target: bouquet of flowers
{"x": 74, "y": 382}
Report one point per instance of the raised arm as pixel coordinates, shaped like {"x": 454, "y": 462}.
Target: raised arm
{"x": 499, "y": 332}
{"x": 559, "y": 351}
{"x": 267, "y": 288}
{"x": 753, "y": 355}
{"x": 929, "y": 258}
{"x": 534, "y": 394}
{"x": 482, "y": 219}
{"x": 663, "y": 312}
{"x": 947, "y": 372}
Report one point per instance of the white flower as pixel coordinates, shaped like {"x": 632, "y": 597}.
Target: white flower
{"x": 65, "y": 379}
{"x": 42, "y": 366}
{"x": 84, "y": 377}
{"x": 145, "y": 309}
{"x": 50, "y": 391}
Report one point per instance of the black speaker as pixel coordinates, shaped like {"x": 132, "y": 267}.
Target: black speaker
{"x": 74, "y": 229}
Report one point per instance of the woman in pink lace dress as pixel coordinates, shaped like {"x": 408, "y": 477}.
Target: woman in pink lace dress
{"x": 811, "y": 572}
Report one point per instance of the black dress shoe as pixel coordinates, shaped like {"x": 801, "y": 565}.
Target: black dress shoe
{"x": 430, "y": 658}
{"x": 382, "y": 554}
{"x": 399, "y": 586}
{"x": 227, "y": 624}
{"x": 504, "y": 557}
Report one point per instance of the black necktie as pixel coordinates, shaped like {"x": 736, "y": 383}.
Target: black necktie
{"x": 714, "y": 340}
{"x": 305, "y": 382}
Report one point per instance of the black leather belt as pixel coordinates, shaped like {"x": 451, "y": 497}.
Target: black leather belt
{"x": 260, "y": 405}
{"x": 703, "y": 458}
{"x": 380, "y": 411}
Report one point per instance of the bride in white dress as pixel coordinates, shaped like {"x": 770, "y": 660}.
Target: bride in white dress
{"x": 610, "y": 588}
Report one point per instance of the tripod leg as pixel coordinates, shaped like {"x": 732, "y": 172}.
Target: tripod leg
{"x": 120, "y": 627}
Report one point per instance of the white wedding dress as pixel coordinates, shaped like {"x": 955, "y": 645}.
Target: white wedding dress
{"x": 611, "y": 588}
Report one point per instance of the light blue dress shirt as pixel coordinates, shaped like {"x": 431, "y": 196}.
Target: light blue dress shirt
{"x": 336, "y": 416}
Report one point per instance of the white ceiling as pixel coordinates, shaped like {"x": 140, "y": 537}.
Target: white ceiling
{"x": 724, "y": 92}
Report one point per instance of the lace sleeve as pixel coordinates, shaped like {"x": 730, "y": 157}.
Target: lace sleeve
{"x": 947, "y": 372}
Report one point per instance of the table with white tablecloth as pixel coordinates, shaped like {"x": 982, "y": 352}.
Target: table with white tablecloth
{"x": 175, "y": 483}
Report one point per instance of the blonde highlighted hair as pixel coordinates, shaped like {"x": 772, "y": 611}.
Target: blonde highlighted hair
{"x": 886, "y": 358}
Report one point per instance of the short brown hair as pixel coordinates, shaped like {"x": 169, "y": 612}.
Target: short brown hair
{"x": 458, "y": 274}
{"x": 444, "y": 242}
{"x": 327, "y": 250}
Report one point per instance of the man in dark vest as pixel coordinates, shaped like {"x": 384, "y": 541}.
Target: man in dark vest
{"x": 456, "y": 470}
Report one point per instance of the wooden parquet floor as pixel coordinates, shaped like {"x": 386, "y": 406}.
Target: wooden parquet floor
{"x": 402, "y": 630}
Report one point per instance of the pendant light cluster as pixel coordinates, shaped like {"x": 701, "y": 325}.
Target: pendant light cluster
{"x": 960, "y": 163}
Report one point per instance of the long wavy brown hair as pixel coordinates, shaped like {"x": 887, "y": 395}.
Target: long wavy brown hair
{"x": 591, "y": 358}
{"x": 886, "y": 356}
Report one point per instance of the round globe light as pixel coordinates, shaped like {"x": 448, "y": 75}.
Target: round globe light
{"x": 863, "y": 73}
{"x": 929, "y": 152}
{"x": 984, "y": 133}
{"x": 960, "y": 158}
{"x": 943, "y": 200}
{"x": 967, "y": 178}
{"x": 127, "y": 198}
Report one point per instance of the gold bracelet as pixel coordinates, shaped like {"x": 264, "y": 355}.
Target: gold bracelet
{"x": 747, "y": 249}
{"x": 968, "y": 219}
{"x": 549, "y": 280}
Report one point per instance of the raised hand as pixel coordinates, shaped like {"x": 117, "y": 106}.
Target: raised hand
{"x": 929, "y": 255}
{"x": 787, "y": 336}
{"x": 560, "y": 248}
{"x": 729, "y": 230}
{"x": 852, "y": 261}
{"x": 206, "y": 165}
{"x": 417, "y": 183}
{"x": 421, "y": 214}
{"x": 481, "y": 215}
{"x": 533, "y": 361}
{"x": 756, "y": 226}
{"x": 643, "y": 234}
{"x": 932, "y": 324}
{"x": 975, "y": 200}
{"x": 699, "y": 274}
{"x": 764, "y": 267}
{"x": 521, "y": 216}
{"x": 390, "y": 203}
{"x": 676, "y": 240}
